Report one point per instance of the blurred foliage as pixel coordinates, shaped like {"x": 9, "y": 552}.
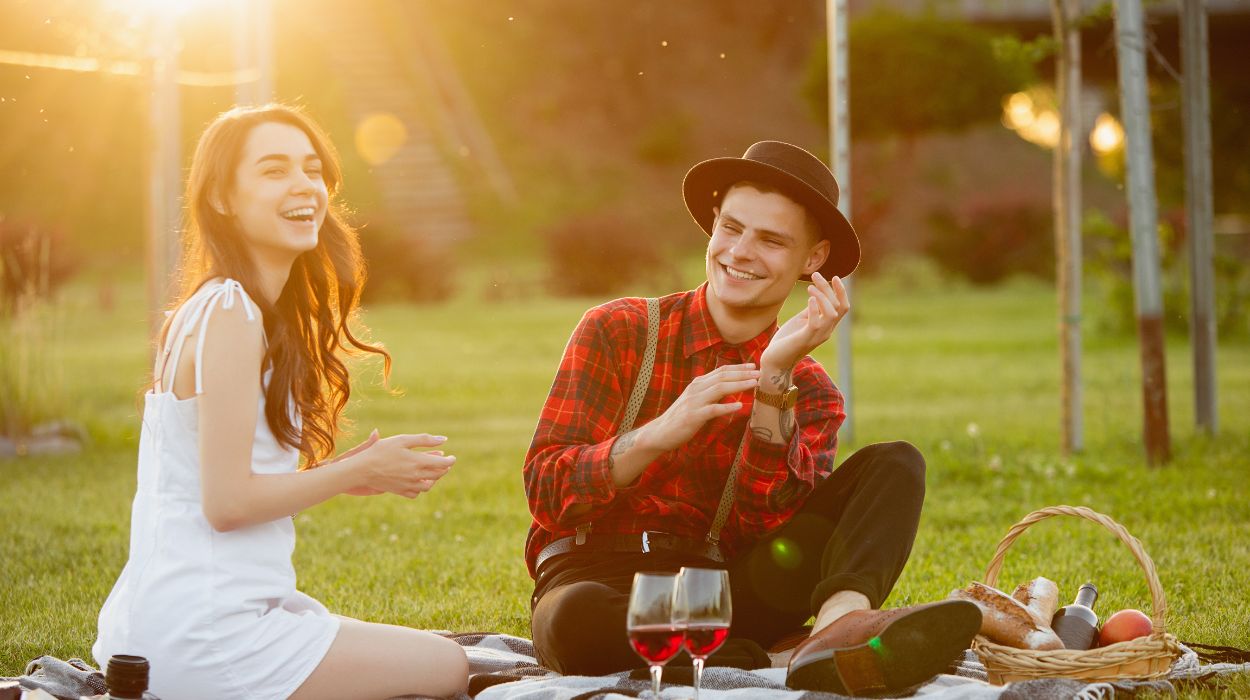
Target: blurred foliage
{"x": 1230, "y": 144}
{"x": 601, "y": 253}
{"x": 666, "y": 140}
{"x": 988, "y": 239}
{"x": 405, "y": 268}
{"x": 34, "y": 263}
{"x": 1110, "y": 262}
{"x": 915, "y": 74}
{"x": 32, "y": 267}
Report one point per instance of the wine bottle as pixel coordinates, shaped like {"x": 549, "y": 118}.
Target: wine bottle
{"x": 1077, "y": 624}
{"x": 126, "y": 677}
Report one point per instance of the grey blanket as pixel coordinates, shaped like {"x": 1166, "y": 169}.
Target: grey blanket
{"x": 502, "y": 666}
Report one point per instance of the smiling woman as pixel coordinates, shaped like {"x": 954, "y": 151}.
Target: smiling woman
{"x": 272, "y": 274}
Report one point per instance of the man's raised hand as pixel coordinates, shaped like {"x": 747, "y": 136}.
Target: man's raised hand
{"x": 827, "y": 303}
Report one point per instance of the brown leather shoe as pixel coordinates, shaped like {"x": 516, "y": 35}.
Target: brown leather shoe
{"x": 869, "y": 652}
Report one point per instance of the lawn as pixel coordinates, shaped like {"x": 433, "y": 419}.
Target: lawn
{"x": 969, "y": 376}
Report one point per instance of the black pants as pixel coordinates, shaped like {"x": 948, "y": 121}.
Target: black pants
{"x": 854, "y": 533}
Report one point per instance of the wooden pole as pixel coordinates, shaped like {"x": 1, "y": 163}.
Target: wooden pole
{"x": 1199, "y": 209}
{"x": 244, "y": 48}
{"x": 1143, "y": 221}
{"x": 266, "y": 89}
{"x": 1067, "y": 212}
{"x": 840, "y": 157}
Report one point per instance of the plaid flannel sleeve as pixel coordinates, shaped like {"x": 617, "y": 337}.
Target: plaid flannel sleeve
{"x": 775, "y": 480}
{"x": 567, "y": 469}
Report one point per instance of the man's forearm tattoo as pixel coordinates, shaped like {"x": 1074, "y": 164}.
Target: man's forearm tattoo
{"x": 780, "y": 381}
{"x": 622, "y": 444}
{"x": 763, "y": 434}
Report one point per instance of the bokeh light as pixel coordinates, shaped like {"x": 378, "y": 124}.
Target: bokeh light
{"x": 1107, "y": 136}
{"x": 379, "y": 136}
{"x": 1030, "y": 115}
{"x": 786, "y": 553}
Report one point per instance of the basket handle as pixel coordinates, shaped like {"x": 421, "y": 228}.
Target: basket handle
{"x": 1143, "y": 559}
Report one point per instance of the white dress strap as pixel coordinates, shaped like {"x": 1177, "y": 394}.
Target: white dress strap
{"x": 200, "y": 310}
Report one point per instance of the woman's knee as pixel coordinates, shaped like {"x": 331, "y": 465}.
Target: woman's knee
{"x": 452, "y": 664}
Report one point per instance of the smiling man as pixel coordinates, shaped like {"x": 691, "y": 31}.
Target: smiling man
{"x": 723, "y": 455}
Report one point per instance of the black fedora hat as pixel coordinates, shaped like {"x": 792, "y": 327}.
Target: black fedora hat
{"x": 796, "y": 173}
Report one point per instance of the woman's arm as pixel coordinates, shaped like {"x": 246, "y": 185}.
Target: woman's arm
{"x": 233, "y": 496}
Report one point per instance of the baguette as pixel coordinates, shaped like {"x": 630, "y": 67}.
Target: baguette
{"x": 1040, "y": 597}
{"x": 1005, "y": 621}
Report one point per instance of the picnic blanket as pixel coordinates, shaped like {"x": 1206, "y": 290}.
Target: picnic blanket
{"x": 503, "y": 666}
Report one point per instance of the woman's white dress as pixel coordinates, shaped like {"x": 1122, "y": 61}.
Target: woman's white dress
{"x": 216, "y": 613}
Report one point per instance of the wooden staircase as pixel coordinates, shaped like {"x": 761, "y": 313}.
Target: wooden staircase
{"x": 382, "y": 70}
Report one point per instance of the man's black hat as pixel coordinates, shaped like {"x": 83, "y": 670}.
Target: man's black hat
{"x": 796, "y": 173}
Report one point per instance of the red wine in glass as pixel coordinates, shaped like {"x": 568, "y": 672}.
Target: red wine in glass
{"x": 656, "y": 643}
{"x": 703, "y": 607}
{"x": 653, "y": 632}
{"x": 702, "y": 640}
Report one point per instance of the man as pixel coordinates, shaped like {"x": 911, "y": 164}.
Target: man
{"x": 732, "y": 398}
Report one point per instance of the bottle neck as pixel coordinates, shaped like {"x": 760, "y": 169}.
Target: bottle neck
{"x": 1087, "y": 595}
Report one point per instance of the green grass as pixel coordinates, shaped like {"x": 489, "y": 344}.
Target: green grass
{"x": 969, "y": 376}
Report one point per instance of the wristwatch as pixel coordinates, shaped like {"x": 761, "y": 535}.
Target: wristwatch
{"x": 782, "y": 402}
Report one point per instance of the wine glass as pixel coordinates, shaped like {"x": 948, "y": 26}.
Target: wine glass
{"x": 703, "y": 608}
{"x": 649, "y": 622}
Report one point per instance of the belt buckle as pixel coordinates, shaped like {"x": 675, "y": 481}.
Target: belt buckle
{"x": 646, "y": 542}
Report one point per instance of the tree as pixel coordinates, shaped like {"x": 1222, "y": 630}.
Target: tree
{"x": 911, "y": 76}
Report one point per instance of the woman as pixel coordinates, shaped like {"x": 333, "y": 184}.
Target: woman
{"x": 247, "y": 384}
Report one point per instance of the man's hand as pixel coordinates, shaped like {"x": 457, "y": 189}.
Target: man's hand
{"x": 827, "y": 303}
{"x": 698, "y": 404}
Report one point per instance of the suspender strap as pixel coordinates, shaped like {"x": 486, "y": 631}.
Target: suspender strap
{"x": 727, "y": 496}
{"x": 636, "y": 398}
{"x": 641, "y": 385}
{"x": 648, "y": 367}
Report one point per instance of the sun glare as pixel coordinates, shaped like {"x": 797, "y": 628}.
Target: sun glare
{"x": 145, "y": 8}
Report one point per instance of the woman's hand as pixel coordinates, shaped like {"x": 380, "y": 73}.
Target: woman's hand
{"x": 360, "y": 490}
{"x": 394, "y": 465}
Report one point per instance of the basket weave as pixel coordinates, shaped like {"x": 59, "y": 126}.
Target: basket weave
{"x": 1143, "y": 658}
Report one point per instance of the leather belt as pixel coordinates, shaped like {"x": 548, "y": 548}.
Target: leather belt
{"x": 643, "y": 542}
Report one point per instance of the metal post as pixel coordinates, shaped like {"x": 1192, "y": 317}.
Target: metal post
{"x": 1199, "y": 209}
{"x": 164, "y": 166}
{"x": 1067, "y": 211}
{"x": 839, "y": 143}
{"x": 1148, "y": 295}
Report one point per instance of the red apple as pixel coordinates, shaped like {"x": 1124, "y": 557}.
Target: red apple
{"x": 1123, "y": 626}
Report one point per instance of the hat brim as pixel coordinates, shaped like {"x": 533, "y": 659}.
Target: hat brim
{"x": 706, "y": 183}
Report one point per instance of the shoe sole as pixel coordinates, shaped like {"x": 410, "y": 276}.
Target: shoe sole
{"x": 911, "y": 650}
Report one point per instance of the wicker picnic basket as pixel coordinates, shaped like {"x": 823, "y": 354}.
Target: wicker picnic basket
{"x": 1143, "y": 658}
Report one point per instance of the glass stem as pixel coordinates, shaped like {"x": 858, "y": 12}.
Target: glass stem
{"x": 698, "y": 675}
{"x": 656, "y": 669}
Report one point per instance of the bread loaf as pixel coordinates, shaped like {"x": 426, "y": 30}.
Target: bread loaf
{"x": 1040, "y": 597}
{"x": 1005, "y": 620}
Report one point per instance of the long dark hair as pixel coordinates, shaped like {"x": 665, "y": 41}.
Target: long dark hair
{"x": 308, "y": 326}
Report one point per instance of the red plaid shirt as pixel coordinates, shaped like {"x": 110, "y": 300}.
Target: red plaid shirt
{"x": 568, "y": 464}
